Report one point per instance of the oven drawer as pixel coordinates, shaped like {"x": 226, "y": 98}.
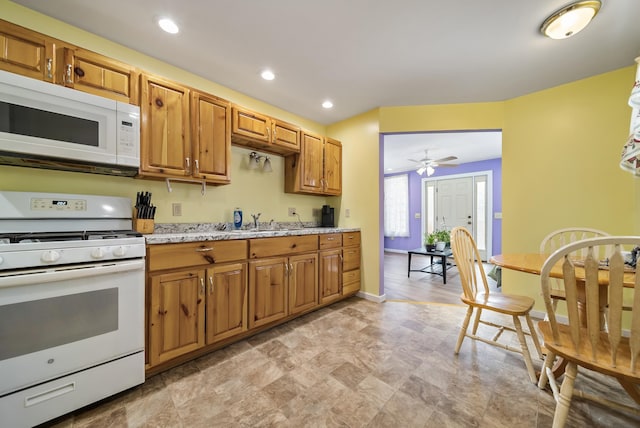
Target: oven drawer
{"x": 49, "y": 400}
{"x": 169, "y": 256}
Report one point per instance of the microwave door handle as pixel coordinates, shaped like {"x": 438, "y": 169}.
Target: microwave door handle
{"x": 55, "y": 274}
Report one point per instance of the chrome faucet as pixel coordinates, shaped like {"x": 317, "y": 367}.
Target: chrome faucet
{"x": 255, "y": 219}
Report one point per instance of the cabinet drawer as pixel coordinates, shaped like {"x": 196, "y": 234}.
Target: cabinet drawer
{"x": 171, "y": 256}
{"x": 267, "y": 247}
{"x": 351, "y": 258}
{"x": 350, "y": 282}
{"x": 351, "y": 276}
{"x": 350, "y": 239}
{"x": 330, "y": 240}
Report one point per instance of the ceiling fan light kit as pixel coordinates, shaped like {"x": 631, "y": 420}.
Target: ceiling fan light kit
{"x": 429, "y": 165}
{"x": 570, "y": 20}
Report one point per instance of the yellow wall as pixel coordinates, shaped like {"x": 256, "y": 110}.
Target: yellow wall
{"x": 360, "y": 189}
{"x": 444, "y": 117}
{"x": 561, "y": 149}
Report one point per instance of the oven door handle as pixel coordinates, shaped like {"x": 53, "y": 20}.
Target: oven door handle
{"x": 64, "y": 273}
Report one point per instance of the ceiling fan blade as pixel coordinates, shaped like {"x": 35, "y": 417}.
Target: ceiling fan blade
{"x": 447, "y": 164}
{"x": 413, "y": 160}
{"x": 448, "y": 158}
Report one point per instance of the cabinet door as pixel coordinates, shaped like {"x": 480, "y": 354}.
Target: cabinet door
{"x": 226, "y": 301}
{"x": 251, "y": 125}
{"x": 330, "y": 275}
{"x": 303, "y": 282}
{"x": 165, "y": 149}
{"x": 286, "y": 137}
{"x": 332, "y": 167}
{"x": 311, "y": 163}
{"x": 176, "y": 315}
{"x": 211, "y": 132}
{"x": 90, "y": 72}
{"x": 267, "y": 291}
{"x": 26, "y": 52}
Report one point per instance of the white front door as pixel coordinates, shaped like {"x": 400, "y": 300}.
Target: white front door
{"x": 459, "y": 201}
{"x": 454, "y": 204}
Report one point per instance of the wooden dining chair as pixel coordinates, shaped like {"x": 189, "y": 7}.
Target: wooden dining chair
{"x": 478, "y": 297}
{"x": 581, "y": 339}
{"x": 560, "y": 238}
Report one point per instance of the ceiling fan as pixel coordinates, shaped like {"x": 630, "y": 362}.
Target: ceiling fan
{"x": 429, "y": 165}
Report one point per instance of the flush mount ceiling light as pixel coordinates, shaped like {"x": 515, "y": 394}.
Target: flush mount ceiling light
{"x": 168, "y": 25}
{"x": 570, "y": 20}
{"x": 268, "y": 75}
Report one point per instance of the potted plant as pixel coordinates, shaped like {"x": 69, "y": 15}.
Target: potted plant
{"x": 443, "y": 239}
{"x": 430, "y": 241}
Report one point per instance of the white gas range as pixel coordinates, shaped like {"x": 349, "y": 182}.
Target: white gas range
{"x": 71, "y": 303}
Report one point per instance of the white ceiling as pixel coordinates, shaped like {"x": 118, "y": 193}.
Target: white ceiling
{"x": 363, "y": 54}
{"x": 466, "y": 146}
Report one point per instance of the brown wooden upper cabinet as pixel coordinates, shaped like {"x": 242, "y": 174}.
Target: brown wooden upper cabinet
{"x": 165, "y": 148}
{"x": 260, "y": 132}
{"x": 317, "y": 170}
{"x": 184, "y": 133}
{"x": 211, "y": 137}
{"x": 90, "y": 72}
{"x": 26, "y": 52}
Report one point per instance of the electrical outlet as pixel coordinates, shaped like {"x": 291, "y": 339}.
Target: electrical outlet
{"x": 292, "y": 212}
{"x": 177, "y": 209}
{"x": 347, "y": 213}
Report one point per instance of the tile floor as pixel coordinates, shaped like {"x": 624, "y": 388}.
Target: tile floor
{"x": 353, "y": 364}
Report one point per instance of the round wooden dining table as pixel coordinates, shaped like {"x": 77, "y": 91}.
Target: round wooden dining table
{"x": 532, "y": 263}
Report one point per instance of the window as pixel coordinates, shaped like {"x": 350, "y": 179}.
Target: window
{"x": 396, "y": 205}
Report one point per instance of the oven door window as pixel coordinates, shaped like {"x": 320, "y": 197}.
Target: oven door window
{"x": 35, "y": 325}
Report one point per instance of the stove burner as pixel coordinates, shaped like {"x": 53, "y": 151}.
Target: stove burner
{"x": 17, "y": 238}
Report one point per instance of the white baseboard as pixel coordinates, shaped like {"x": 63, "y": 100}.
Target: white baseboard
{"x": 372, "y": 297}
{"x": 391, "y": 250}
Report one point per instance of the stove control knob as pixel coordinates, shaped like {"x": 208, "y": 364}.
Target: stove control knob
{"x": 50, "y": 256}
{"x": 119, "y": 251}
{"x": 97, "y": 253}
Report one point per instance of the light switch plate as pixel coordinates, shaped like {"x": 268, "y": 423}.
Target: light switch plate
{"x": 176, "y": 208}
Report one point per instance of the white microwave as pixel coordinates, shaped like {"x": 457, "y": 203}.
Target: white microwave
{"x": 49, "y": 126}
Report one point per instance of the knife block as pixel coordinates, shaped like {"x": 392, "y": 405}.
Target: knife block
{"x": 143, "y": 225}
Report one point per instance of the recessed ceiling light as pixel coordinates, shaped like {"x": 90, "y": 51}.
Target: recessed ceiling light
{"x": 168, "y": 25}
{"x": 268, "y": 75}
{"x": 327, "y": 104}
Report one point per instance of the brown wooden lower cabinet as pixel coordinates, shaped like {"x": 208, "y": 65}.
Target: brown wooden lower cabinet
{"x": 204, "y": 295}
{"x": 226, "y": 310}
{"x": 176, "y": 314}
{"x": 303, "y": 282}
{"x": 330, "y": 275}
{"x": 267, "y": 291}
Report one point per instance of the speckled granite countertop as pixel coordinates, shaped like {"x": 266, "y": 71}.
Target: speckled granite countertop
{"x": 179, "y": 232}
